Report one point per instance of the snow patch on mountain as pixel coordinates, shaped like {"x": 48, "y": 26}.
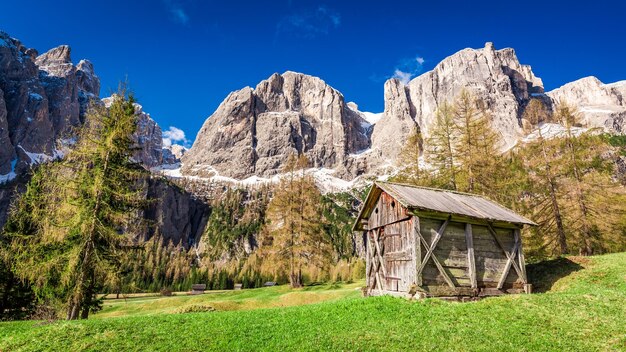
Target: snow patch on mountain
{"x": 370, "y": 117}
{"x": 11, "y": 175}
{"x": 324, "y": 178}
{"x": 552, "y": 130}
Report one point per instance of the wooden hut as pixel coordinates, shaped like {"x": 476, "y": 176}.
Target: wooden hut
{"x": 430, "y": 242}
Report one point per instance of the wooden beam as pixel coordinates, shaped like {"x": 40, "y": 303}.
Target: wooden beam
{"x": 379, "y": 252}
{"x": 520, "y": 254}
{"x": 430, "y": 255}
{"x": 506, "y": 253}
{"x": 430, "y": 248}
{"x": 376, "y": 273}
{"x": 398, "y": 256}
{"x": 439, "y": 266}
{"x": 507, "y": 267}
{"x": 463, "y": 219}
{"x": 417, "y": 249}
{"x": 390, "y": 223}
{"x": 471, "y": 263}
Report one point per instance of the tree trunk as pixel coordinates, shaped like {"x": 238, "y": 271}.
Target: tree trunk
{"x": 4, "y": 305}
{"x": 561, "y": 238}
{"x": 84, "y": 314}
{"x": 74, "y": 308}
{"x": 295, "y": 278}
{"x": 582, "y": 204}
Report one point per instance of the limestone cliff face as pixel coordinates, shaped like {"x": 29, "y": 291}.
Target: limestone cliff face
{"x": 40, "y": 102}
{"x": 175, "y": 214}
{"x": 24, "y": 106}
{"x": 599, "y": 104}
{"x": 148, "y": 137}
{"x": 173, "y": 153}
{"x": 495, "y": 76}
{"x": 255, "y": 130}
{"x": 42, "y": 98}
{"x": 7, "y": 150}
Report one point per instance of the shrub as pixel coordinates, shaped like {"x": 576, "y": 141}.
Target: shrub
{"x": 195, "y": 308}
{"x": 44, "y": 312}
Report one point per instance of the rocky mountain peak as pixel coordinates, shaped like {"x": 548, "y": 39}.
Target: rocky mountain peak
{"x": 42, "y": 97}
{"x": 254, "y": 131}
{"x": 495, "y": 76}
{"x": 55, "y": 56}
{"x": 600, "y": 105}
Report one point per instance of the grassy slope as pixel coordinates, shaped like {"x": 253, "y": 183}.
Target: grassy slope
{"x": 583, "y": 311}
{"x": 278, "y": 296}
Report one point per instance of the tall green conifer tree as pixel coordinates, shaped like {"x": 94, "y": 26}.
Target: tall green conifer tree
{"x": 68, "y": 230}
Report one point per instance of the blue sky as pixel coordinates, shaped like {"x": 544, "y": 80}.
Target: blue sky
{"x": 182, "y": 57}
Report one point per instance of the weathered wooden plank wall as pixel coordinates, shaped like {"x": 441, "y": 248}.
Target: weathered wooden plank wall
{"x": 489, "y": 259}
{"x": 398, "y": 258}
{"x": 392, "y": 225}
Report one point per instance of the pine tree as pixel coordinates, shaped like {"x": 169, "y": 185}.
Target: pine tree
{"x": 476, "y": 148}
{"x": 548, "y": 210}
{"x": 68, "y": 230}
{"x": 294, "y": 218}
{"x": 409, "y": 159}
{"x": 440, "y": 151}
{"x": 568, "y": 117}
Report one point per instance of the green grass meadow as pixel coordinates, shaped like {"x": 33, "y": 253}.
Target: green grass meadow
{"x": 581, "y": 307}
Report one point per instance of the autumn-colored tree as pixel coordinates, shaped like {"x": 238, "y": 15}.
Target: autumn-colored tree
{"x": 293, "y": 223}
{"x": 543, "y": 157}
{"x": 441, "y": 149}
{"x": 477, "y": 144}
{"x": 567, "y": 115}
{"x": 409, "y": 159}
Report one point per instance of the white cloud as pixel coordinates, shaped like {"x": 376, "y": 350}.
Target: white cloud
{"x": 408, "y": 68}
{"x": 310, "y": 23}
{"x": 174, "y": 135}
{"x": 176, "y": 11}
{"x": 404, "y": 77}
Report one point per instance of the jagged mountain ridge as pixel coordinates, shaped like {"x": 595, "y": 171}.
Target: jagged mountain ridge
{"x": 254, "y": 130}
{"x": 602, "y": 105}
{"x": 251, "y": 134}
{"x": 42, "y": 99}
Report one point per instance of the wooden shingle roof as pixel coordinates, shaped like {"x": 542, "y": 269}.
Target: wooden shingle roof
{"x": 440, "y": 201}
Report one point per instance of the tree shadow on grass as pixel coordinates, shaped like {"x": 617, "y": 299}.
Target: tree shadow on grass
{"x": 544, "y": 274}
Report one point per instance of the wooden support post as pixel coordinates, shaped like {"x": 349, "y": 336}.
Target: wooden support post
{"x": 418, "y": 249}
{"x": 373, "y": 266}
{"x": 520, "y": 255}
{"x": 471, "y": 264}
{"x": 368, "y": 259}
